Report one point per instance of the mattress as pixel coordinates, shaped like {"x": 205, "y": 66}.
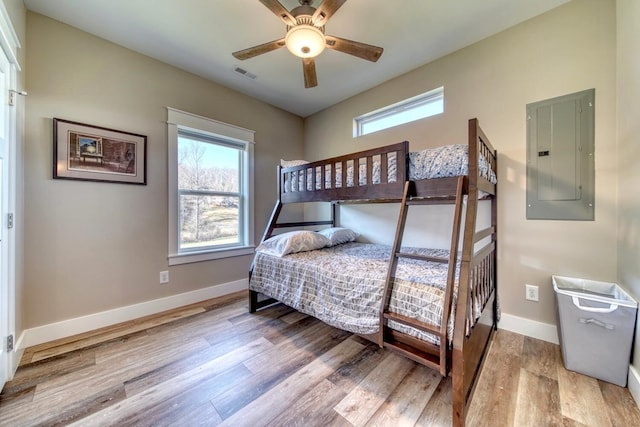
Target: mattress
{"x": 343, "y": 286}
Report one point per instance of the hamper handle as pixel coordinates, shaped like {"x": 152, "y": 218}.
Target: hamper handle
{"x": 612, "y": 307}
{"x": 597, "y": 323}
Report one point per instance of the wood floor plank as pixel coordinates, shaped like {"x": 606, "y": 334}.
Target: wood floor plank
{"x": 274, "y": 330}
{"x": 235, "y": 302}
{"x": 349, "y": 375}
{"x": 141, "y": 347}
{"x": 540, "y": 357}
{"x": 203, "y": 416}
{"x": 406, "y": 403}
{"x": 568, "y": 422}
{"x": 31, "y": 374}
{"x": 53, "y": 413}
{"x": 621, "y": 407}
{"x": 111, "y": 334}
{"x": 538, "y": 402}
{"x": 156, "y": 395}
{"x": 494, "y": 398}
{"x": 60, "y": 393}
{"x": 243, "y": 332}
{"x": 253, "y": 326}
{"x": 438, "y": 411}
{"x": 194, "y": 327}
{"x": 362, "y": 402}
{"x": 10, "y": 402}
{"x": 297, "y": 343}
{"x": 184, "y": 404}
{"x": 314, "y": 408}
{"x": 277, "y": 335}
{"x": 113, "y": 371}
{"x": 86, "y": 406}
{"x": 166, "y": 372}
{"x": 268, "y": 375}
{"x": 579, "y": 395}
{"x": 294, "y": 317}
{"x": 263, "y": 409}
{"x": 213, "y": 362}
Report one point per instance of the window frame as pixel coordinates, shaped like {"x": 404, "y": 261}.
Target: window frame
{"x": 397, "y": 109}
{"x": 179, "y": 120}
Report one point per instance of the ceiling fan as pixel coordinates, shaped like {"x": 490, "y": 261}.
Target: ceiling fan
{"x": 306, "y": 37}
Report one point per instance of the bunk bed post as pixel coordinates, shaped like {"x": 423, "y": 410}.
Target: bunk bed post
{"x": 334, "y": 207}
{"x": 494, "y": 223}
{"x": 459, "y": 391}
{"x": 268, "y": 231}
{"x": 469, "y": 352}
{"x": 253, "y": 295}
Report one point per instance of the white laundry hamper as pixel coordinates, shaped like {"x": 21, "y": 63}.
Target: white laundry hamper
{"x": 596, "y": 322}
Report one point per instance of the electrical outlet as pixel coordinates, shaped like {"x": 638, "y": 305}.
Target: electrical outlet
{"x": 164, "y": 277}
{"x": 531, "y": 293}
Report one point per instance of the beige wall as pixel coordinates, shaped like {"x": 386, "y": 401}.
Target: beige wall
{"x": 628, "y": 13}
{"x": 568, "y": 49}
{"x": 97, "y": 246}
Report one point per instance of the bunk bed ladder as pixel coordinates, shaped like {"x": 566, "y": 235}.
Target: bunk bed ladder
{"x": 387, "y": 337}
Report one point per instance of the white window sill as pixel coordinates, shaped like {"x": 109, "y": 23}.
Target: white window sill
{"x": 187, "y": 258}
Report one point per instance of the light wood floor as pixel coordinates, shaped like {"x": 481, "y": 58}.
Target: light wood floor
{"x": 216, "y": 364}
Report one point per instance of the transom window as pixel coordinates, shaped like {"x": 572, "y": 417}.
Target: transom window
{"x": 210, "y": 197}
{"x": 415, "y": 108}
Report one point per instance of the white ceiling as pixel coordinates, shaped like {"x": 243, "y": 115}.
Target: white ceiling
{"x": 200, "y": 35}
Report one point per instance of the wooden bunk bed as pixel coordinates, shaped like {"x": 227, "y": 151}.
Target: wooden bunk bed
{"x": 470, "y": 295}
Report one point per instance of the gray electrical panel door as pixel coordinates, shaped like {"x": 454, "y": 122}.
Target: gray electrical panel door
{"x": 560, "y": 157}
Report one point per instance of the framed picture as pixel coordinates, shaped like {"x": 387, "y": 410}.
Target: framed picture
{"x": 94, "y": 153}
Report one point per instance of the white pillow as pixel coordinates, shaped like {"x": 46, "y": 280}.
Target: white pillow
{"x": 292, "y": 242}
{"x": 338, "y": 235}
{"x": 292, "y": 163}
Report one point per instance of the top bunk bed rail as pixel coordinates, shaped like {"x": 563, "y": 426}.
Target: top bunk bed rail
{"x": 379, "y": 174}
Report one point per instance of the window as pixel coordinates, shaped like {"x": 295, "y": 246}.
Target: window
{"x": 421, "y": 106}
{"x": 210, "y": 189}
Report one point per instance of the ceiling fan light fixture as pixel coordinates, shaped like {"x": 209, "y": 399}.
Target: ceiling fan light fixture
{"x": 305, "y": 41}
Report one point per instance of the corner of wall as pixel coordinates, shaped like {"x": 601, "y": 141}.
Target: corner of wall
{"x": 633, "y": 383}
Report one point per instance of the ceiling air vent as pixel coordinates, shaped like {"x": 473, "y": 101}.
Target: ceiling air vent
{"x": 245, "y": 73}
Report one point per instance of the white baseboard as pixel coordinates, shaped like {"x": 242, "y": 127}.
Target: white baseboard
{"x": 78, "y": 325}
{"x": 529, "y": 328}
{"x": 633, "y": 383}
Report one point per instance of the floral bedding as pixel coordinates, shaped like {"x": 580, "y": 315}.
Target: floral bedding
{"x": 343, "y": 286}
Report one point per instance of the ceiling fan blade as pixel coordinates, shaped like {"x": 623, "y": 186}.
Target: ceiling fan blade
{"x": 309, "y": 69}
{"x": 361, "y": 50}
{"x": 279, "y": 10}
{"x": 326, "y": 9}
{"x": 258, "y": 50}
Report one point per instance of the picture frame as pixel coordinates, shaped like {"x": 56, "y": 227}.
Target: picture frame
{"x": 94, "y": 153}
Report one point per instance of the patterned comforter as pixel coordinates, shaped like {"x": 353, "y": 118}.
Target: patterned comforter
{"x": 343, "y": 285}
